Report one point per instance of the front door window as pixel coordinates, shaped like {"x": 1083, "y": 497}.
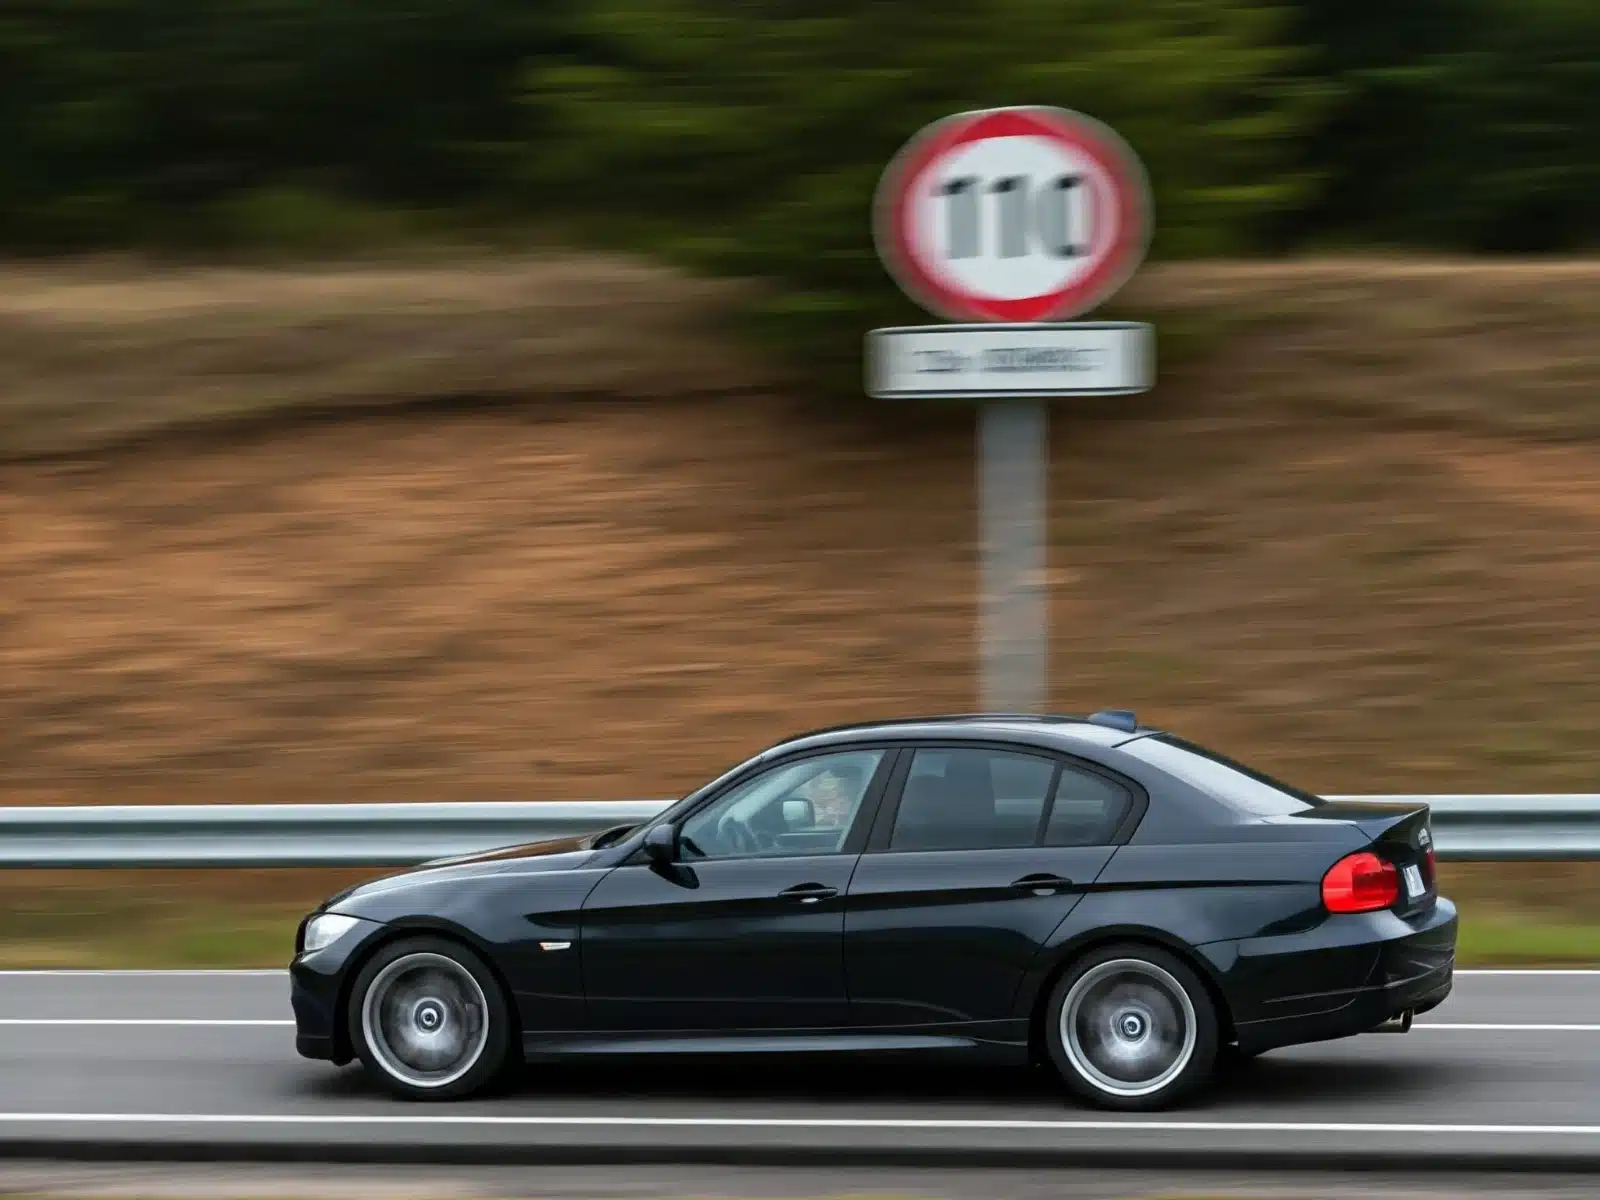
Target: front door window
{"x": 802, "y": 807}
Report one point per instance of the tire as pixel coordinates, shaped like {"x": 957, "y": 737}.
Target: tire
{"x": 1157, "y": 1029}
{"x": 404, "y": 1003}
{"x": 1232, "y": 1056}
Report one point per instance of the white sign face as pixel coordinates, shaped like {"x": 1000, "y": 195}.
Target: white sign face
{"x": 1013, "y": 214}
{"x": 993, "y": 361}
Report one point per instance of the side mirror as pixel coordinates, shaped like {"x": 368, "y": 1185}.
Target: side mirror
{"x": 661, "y": 844}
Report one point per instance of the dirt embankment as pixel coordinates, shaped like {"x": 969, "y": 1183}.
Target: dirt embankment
{"x": 1354, "y": 540}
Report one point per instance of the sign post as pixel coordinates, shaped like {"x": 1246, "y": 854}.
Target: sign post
{"x": 1005, "y": 221}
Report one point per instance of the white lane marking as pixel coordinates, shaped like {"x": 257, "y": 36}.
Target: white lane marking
{"x": 88, "y": 973}
{"x": 185, "y": 1022}
{"x": 1479, "y": 1027}
{"x": 1508, "y": 971}
{"x": 907, "y": 1123}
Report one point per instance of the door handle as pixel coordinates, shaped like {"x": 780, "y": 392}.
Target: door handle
{"x": 1042, "y": 883}
{"x": 809, "y": 893}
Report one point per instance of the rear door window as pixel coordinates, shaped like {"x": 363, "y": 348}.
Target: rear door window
{"x": 971, "y": 799}
{"x": 982, "y": 799}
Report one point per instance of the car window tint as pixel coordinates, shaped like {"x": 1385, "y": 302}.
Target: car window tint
{"x": 1240, "y": 788}
{"x": 801, "y": 807}
{"x": 971, "y": 799}
{"x": 1087, "y": 810}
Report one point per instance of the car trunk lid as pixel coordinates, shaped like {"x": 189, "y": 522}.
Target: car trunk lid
{"x": 1400, "y": 831}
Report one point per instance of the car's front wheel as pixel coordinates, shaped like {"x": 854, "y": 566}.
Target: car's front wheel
{"x": 1131, "y": 1028}
{"x": 429, "y": 1021}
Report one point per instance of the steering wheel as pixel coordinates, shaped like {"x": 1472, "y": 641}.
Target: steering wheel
{"x": 739, "y": 836}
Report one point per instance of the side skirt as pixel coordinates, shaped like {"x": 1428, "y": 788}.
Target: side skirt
{"x": 537, "y": 1047}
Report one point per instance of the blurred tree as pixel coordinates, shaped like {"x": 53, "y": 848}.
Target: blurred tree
{"x": 126, "y": 119}
{"x": 1464, "y": 124}
{"x": 748, "y": 138}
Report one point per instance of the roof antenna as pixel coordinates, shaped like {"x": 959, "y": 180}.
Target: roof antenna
{"x": 1116, "y": 718}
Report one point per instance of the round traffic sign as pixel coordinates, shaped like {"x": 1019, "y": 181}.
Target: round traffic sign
{"x": 1013, "y": 214}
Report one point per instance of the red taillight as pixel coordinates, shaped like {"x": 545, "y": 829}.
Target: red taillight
{"x": 1433, "y": 873}
{"x": 1360, "y": 883}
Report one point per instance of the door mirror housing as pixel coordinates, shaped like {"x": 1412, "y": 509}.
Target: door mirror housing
{"x": 661, "y": 844}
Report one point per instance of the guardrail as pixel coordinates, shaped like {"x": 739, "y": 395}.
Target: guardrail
{"x": 1466, "y": 829}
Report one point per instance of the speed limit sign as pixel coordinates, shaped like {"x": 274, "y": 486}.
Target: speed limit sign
{"x": 1012, "y": 215}
{"x": 1008, "y": 223}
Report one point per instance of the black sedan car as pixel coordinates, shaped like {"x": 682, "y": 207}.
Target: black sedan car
{"x": 1107, "y": 899}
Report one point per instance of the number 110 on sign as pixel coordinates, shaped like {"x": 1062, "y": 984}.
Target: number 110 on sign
{"x": 1013, "y": 216}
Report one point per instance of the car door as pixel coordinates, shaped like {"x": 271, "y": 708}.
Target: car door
{"x": 744, "y": 931}
{"x": 978, "y": 853}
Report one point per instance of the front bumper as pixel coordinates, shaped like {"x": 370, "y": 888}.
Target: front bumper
{"x": 319, "y": 984}
{"x": 1347, "y": 977}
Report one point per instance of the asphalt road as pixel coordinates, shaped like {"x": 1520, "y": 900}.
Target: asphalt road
{"x": 1506, "y": 1073}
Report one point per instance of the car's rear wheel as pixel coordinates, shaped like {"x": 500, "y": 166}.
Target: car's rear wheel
{"x": 1131, "y": 1028}
{"x": 1234, "y": 1055}
{"x": 429, "y": 1021}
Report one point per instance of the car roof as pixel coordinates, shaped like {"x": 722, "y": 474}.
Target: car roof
{"x": 1050, "y": 729}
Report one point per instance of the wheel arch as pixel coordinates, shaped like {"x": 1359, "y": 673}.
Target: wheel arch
{"x": 1073, "y": 952}
{"x": 397, "y": 931}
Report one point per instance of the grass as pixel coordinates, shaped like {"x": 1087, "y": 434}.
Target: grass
{"x": 1510, "y": 917}
{"x": 1512, "y": 942}
{"x": 101, "y": 351}
{"x": 1504, "y": 347}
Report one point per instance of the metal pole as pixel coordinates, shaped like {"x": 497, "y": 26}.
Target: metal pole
{"x": 1013, "y": 639}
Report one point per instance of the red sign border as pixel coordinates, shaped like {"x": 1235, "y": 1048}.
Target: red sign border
{"x": 892, "y": 202}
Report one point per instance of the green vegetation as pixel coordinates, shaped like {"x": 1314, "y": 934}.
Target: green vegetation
{"x": 247, "y": 935}
{"x": 133, "y": 932}
{"x": 1505, "y": 941}
{"x": 1467, "y": 124}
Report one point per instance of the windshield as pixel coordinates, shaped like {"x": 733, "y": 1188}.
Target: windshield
{"x": 1240, "y": 788}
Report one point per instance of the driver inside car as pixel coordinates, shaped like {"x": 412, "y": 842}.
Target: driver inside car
{"x": 834, "y": 796}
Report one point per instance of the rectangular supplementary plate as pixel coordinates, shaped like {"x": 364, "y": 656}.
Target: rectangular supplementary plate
{"x": 1087, "y": 358}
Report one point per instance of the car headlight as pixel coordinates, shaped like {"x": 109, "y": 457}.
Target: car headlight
{"x": 327, "y": 928}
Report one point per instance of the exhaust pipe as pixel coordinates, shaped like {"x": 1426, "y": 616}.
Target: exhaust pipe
{"x": 1399, "y": 1023}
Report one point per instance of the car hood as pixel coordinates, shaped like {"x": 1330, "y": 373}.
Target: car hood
{"x": 560, "y": 854}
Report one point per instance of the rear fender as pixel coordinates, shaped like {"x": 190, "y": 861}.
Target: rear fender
{"x": 1200, "y": 899}
{"x": 1209, "y": 963}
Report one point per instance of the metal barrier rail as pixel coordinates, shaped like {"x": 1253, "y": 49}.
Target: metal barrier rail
{"x": 1466, "y": 829}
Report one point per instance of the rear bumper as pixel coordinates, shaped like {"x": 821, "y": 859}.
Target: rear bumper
{"x": 1365, "y": 969}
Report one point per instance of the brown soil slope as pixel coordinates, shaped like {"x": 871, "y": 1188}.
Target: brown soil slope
{"x": 1355, "y": 541}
